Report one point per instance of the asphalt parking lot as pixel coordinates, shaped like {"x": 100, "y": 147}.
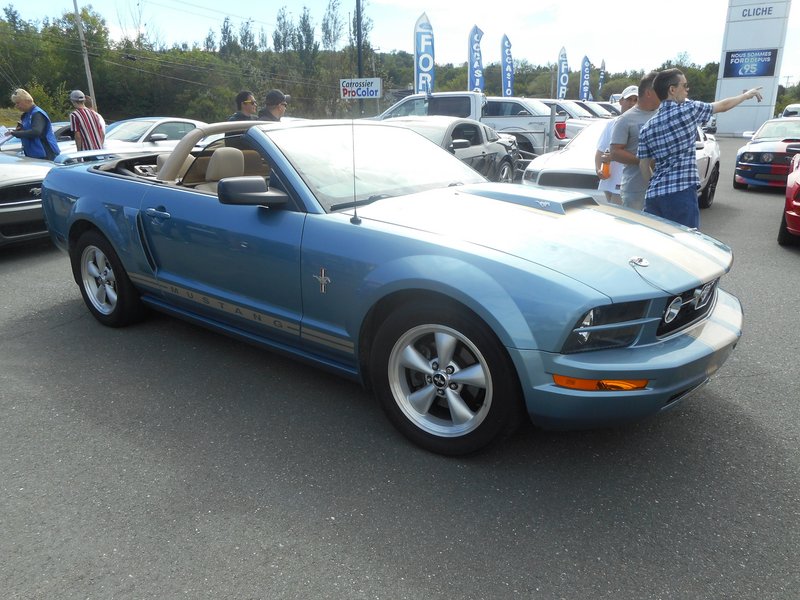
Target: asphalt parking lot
{"x": 165, "y": 461}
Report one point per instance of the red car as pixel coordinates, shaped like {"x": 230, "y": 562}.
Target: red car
{"x": 789, "y": 233}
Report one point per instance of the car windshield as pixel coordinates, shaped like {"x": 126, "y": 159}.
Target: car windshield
{"x": 578, "y": 110}
{"x": 600, "y": 110}
{"x": 130, "y": 131}
{"x": 387, "y": 161}
{"x": 778, "y": 129}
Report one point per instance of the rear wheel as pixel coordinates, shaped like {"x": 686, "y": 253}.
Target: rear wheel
{"x": 105, "y": 286}
{"x": 785, "y": 237}
{"x": 444, "y": 380}
{"x": 706, "y": 198}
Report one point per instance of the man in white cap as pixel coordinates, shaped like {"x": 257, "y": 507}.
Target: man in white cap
{"x": 625, "y": 142}
{"x": 87, "y": 125}
{"x": 611, "y": 185}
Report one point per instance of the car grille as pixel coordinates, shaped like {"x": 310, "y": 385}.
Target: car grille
{"x": 771, "y": 176}
{"x": 20, "y": 193}
{"x": 694, "y": 304}
{"x": 569, "y": 180}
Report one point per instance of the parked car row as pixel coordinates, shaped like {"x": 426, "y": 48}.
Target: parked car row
{"x": 21, "y": 177}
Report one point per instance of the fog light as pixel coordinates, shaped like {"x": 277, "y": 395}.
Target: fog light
{"x": 599, "y": 385}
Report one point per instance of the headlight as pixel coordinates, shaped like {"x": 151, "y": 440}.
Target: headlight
{"x": 611, "y": 326}
{"x": 748, "y": 157}
{"x": 767, "y": 157}
{"x": 531, "y": 175}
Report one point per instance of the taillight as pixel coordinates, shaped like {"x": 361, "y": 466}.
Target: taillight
{"x": 561, "y": 130}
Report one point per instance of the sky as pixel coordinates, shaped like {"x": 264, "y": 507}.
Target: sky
{"x": 627, "y": 36}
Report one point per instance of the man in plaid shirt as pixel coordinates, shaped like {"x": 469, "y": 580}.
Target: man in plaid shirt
{"x": 666, "y": 147}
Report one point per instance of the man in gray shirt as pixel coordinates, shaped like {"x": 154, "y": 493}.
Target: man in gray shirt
{"x": 625, "y": 142}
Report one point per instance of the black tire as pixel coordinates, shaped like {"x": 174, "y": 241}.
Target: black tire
{"x": 105, "y": 286}
{"x": 505, "y": 172}
{"x": 453, "y": 409}
{"x": 785, "y": 238}
{"x": 737, "y": 185}
{"x": 706, "y": 198}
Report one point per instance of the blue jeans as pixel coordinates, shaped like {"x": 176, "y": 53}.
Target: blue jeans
{"x": 680, "y": 207}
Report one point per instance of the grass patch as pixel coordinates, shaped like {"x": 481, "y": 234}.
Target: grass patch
{"x": 9, "y": 117}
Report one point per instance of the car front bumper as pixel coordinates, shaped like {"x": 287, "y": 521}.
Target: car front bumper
{"x": 674, "y": 368}
{"x": 765, "y": 175}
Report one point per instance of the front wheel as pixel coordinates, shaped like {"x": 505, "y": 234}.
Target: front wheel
{"x": 505, "y": 173}
{"x": 706, "y": 198}
{"x": 105, "y": 286}
{"x": 444, "y": 380}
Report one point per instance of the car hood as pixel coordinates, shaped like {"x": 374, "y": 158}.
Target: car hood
{"x": 769, "y": 145}
{"x": 600, "y": 245}
{"x": 15, "y": 169}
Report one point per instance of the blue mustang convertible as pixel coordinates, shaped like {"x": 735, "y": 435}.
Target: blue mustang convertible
{"x": 367, "y": 250}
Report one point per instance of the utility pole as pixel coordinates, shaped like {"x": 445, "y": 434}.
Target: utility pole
{"x": 85, "y": 54}
{"x": 358, "y": 53}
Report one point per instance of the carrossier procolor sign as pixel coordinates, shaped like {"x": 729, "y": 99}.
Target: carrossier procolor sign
{"x": 361, "y": 89}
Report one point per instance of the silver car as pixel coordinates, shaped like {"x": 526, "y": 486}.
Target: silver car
{"x": 573, "y": 167}
{"x": 21, "y": 177}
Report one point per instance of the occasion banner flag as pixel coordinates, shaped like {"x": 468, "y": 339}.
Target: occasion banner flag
{"x": 586, "y": 70}
{"x": 508, "y": 67}
{"x": 563, "y": 74}
{"x": 602, "y": 76}
{"x": 475, "y": 77}
{"x": 423, "y": 56}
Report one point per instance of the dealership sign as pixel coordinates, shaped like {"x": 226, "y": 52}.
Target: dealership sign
{"x": 361, "y": 89}
{"x": 751, "y": 63}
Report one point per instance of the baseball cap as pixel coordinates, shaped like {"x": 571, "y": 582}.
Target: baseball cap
{"x": 275, "y": 97}
{"x": 631, "y": 90}
{"x": 76, "y": 96}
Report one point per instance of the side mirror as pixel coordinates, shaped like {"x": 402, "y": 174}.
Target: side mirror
{"x": 458, "y": 145}
{"x": 157, "y": 137}
{"x": 249, "y": 191}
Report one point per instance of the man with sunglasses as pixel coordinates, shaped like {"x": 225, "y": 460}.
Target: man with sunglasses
{"x": 246, "y": 107}
{"x": 667, "y": 147}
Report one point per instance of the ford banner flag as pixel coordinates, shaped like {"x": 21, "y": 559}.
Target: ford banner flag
{"x": 475, "y": 77}
{"x": 508, "y": 67}
{"x": 586, "y": 71}
{"x": 423, "y": 56}
{"x": 563, "y": 74}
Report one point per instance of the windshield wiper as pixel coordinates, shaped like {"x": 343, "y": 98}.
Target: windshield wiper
{"x": 351, "y": 204}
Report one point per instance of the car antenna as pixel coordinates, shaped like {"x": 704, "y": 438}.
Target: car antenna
{"x": 354, "y": 219}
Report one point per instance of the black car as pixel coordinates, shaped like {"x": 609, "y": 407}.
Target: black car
{"x": 494, "y": 155}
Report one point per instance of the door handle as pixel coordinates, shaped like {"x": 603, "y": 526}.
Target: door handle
{"x": 157, "y": 213}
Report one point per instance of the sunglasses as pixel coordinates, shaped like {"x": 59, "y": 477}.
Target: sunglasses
{"x": 253, "y": 102}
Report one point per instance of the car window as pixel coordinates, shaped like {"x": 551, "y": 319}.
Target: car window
{"x": 131, "y": 131}
{"x": 174, "y": 130}
{"x": 505, "y": 108}
{"x": 779, "y": 129}
{"x": 469, "y": 132}
{"x": 417, "y": 107}
{"x": 457, "y": 106}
